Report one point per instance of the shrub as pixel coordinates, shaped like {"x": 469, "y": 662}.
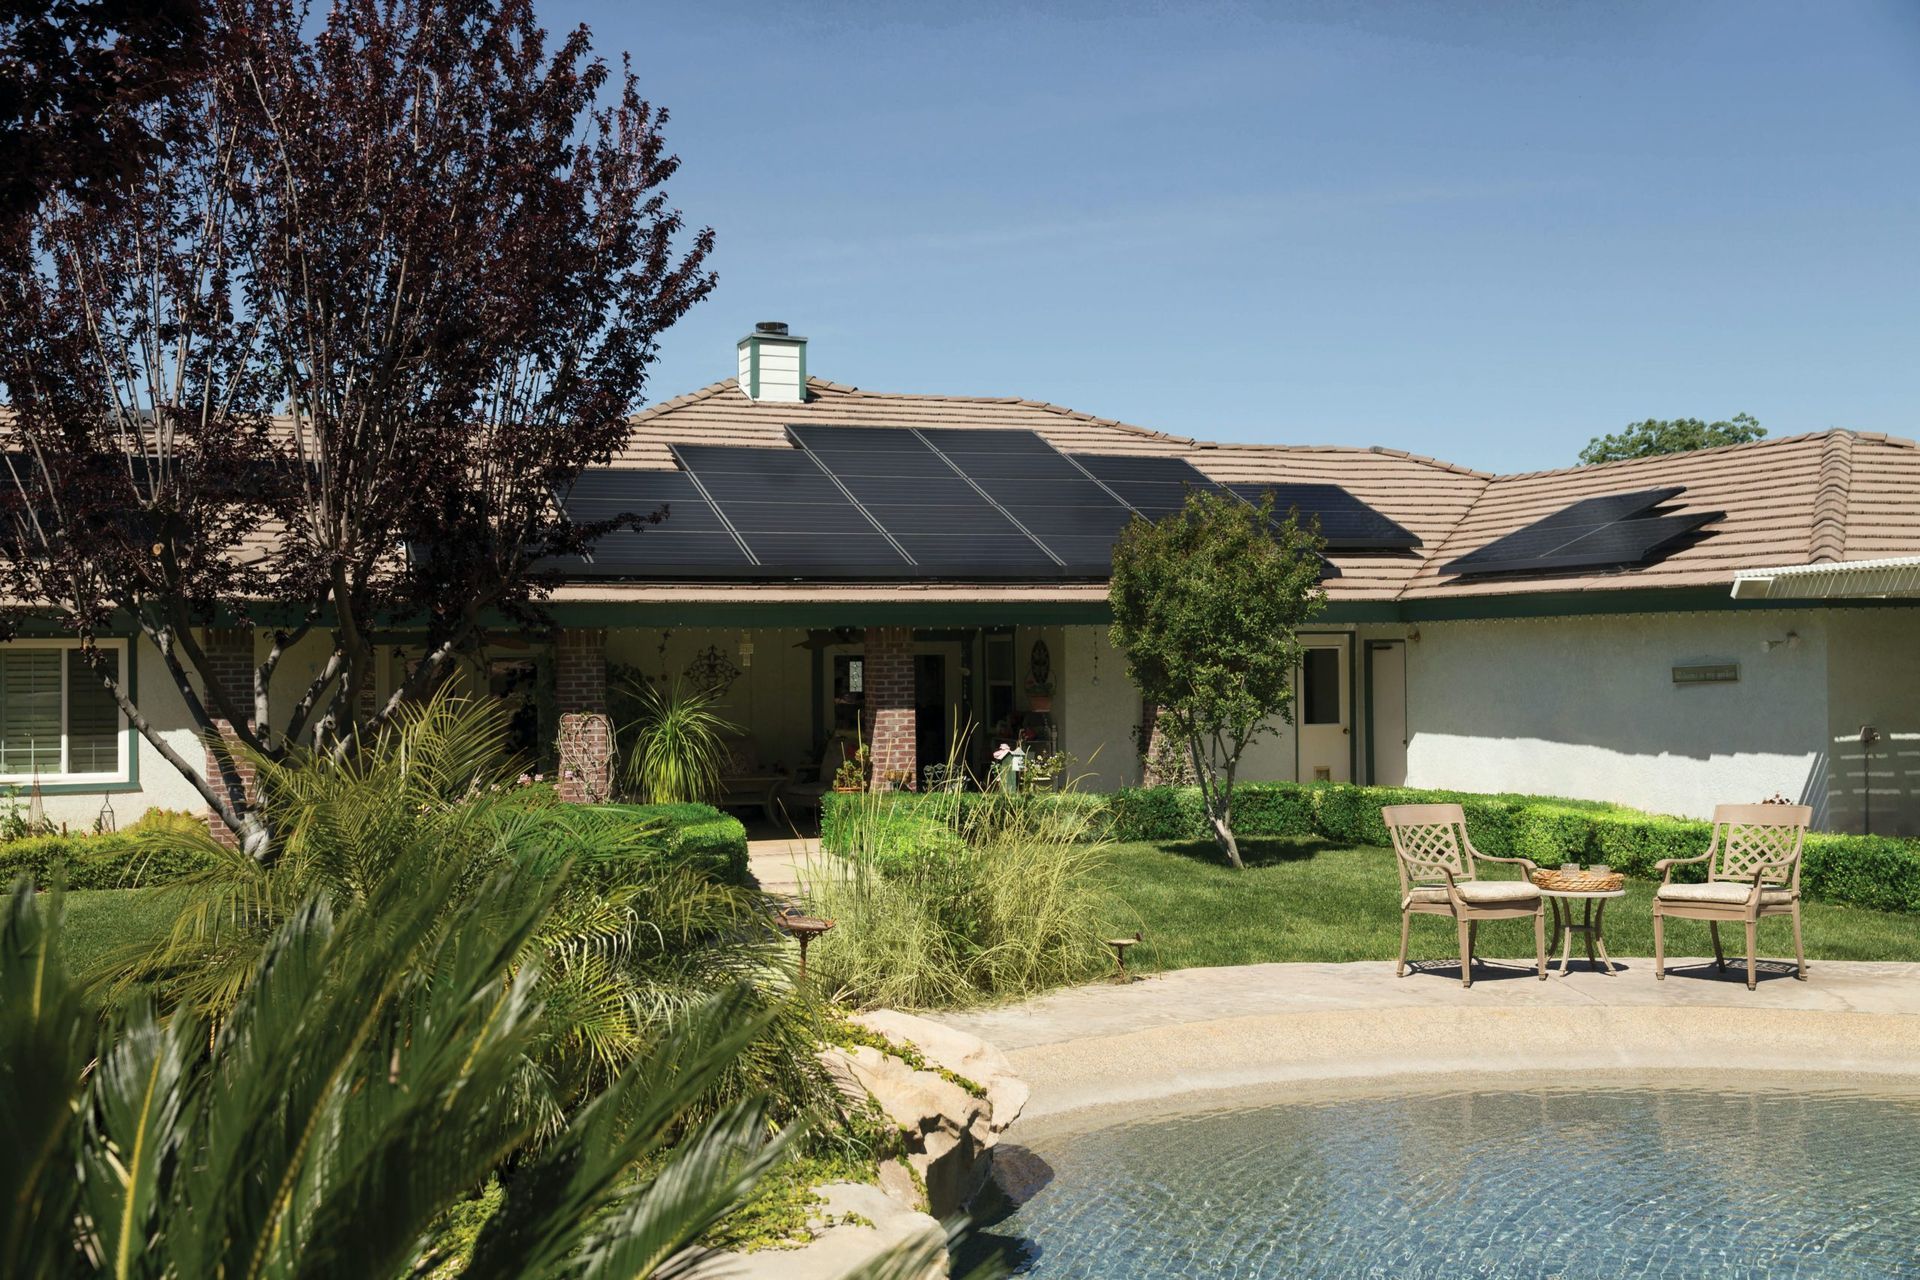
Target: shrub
{"x": 697, "y": 835}
{"x": 1878, "y": 872}
{"x": 137, "y": 858}
{"x": 947, "y": 900}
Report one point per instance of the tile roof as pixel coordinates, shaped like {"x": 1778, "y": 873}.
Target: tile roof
{"x": 1834, "y": 495}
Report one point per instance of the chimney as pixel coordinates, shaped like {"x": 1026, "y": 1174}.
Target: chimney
{"x": 773, "y": 364}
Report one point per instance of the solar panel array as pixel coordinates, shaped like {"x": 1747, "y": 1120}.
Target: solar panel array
{"x": 904, "y": 503}
{"x": 1605, "y": 532}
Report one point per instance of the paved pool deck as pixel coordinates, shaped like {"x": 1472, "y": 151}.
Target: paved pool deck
{"x": 1195, "y": 1031}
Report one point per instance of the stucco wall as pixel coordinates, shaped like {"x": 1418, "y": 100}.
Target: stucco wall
{"x": 1873, "y": 678}
{"x": 1587, "y": 707}
{"x": 1098, "y": 720}
{"x": 1099, "y": 710}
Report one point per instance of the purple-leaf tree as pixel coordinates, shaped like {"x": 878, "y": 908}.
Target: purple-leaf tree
{"x": 321, "y": 366}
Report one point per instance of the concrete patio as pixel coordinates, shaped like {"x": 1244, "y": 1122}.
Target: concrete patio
{"x": 1197, "y": 1030}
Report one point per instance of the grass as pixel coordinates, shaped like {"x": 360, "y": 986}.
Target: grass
{"x": 1298, "y": 899}
{"x": 104, "y": 922}
{"x": 1307, "y": 899}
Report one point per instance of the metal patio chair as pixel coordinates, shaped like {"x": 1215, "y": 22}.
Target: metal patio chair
{"x": 1439, "y": 875}
{"x": 943, "y": 777}
{"x": 1753, "y": 871}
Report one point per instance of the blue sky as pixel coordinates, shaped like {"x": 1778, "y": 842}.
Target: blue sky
{"x": 1482, "y": 232}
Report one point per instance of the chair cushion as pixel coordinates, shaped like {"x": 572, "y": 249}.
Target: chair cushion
{"x": 1479, "y": 893}
{"x": 1721, "y": 892}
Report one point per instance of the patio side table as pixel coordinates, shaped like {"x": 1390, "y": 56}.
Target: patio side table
{"x": 1591, "y": 915}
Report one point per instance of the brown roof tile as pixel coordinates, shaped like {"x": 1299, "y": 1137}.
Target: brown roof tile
{"x": 1836, "y": 495}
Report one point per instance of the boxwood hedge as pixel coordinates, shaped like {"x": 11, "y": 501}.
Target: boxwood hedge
{"x": 1878, "y": 872}
{"x": 699, "y": 835}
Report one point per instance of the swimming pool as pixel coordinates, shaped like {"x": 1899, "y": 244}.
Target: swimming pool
{"x": 1579, "y": 1184}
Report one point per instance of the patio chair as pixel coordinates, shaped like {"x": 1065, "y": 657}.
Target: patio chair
{"x": 1439, "y": 875}
{"x": 1753, "y": 870}
{"x": 943, "y": 777}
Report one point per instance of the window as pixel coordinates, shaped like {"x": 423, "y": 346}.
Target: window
{"x": 1320, "y": 687}
{"x": 57, "y": 720}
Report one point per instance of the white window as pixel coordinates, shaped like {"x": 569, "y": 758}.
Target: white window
{"x": 58, "y": 723}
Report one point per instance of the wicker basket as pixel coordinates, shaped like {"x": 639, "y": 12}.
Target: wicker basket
{"x": 1579, "y": 881}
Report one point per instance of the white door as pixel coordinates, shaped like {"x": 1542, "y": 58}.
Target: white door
{"x": 1325, "y": 735}
{"x": 1387, "y": 701}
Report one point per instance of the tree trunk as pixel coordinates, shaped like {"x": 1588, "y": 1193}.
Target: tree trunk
{"x": 1223, "y": 836}
{"x": 255, "y": 836}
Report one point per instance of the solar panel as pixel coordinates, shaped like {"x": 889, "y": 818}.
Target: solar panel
{"x": 1346, "y": 523}
{"x": 1040, "y": 488}
{"x": 930, "y": 507}
{"x": 689, "y": 540}
{"x": 1155, "y": 487}
{"x": 1610, "y": 530}
{"x": 792, "y": 517}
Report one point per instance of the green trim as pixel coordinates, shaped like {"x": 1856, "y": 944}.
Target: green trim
{"x": 1353, "y": 709}
{"x": 1368, "y": 650}
{"x": 1567, "y": 604}
{"x": 81, "y": 788}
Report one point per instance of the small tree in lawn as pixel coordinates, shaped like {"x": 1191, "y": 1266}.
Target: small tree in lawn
{"x": 1206, "y": 604}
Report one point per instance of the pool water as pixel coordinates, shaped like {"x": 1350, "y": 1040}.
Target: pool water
{"x": 1605, "y": 1184}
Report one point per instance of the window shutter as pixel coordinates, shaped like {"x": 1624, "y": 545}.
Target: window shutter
{"x": 93, "y": 718}
{"x": 30, "y": 711}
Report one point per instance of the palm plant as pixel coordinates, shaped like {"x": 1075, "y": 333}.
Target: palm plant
{"x": 676, "y": 746}
{"x": 360, "y": 1086}
{"x": 629, "y": 949}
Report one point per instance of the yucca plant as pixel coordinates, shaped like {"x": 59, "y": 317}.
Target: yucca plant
{"x": 676, "y": 746}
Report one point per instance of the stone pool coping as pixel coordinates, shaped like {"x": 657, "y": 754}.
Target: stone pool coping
{"x": 1195, "y": 1031}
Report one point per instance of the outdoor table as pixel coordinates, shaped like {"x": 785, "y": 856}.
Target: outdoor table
{"x": 1565, "y": 926}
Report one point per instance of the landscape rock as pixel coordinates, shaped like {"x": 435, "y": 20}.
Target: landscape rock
{"x": 949, "y": 1132}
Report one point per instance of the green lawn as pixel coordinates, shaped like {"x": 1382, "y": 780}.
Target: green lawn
{"x": 1307, "y": 899}
{"x": 104, "y": 922}
{"x": 1298, "y": 899}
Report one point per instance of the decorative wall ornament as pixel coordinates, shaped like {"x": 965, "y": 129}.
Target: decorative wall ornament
{"x": 712, "y": 669}
{"x": 1040, "y": 666}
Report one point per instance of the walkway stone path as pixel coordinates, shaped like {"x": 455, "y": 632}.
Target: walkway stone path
{"x": 776, "y": 864}
{"x": 1206, "y": 1029}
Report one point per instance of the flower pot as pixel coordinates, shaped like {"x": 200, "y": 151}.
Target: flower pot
{"x": 1042, "y": 702}
{"x": 848, "y": 791}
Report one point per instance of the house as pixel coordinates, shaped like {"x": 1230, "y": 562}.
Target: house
{"x": 1667, "y": 633}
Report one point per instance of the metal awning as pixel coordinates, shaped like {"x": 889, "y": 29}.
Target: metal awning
{"x": 1844, "y": 580}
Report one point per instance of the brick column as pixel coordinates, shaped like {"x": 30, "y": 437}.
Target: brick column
{"x": 229, "y": 653}
{"x": 586, "y": 733}
{"x": 888, "y": 721}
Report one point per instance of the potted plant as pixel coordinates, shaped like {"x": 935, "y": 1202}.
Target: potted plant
{"x": 851, "y": 776}
{"x": 1040, "y": 696}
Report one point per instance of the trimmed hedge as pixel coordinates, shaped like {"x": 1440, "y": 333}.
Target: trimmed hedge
{"x": 699, "y": 835}
{"x": 115, "y": 860}
{"x": 1877, "y": 872}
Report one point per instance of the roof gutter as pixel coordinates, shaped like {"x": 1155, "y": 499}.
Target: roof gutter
{"x": 1845, "y": 580}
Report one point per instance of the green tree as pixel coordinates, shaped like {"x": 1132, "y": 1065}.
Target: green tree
{"x": 1206, "y": 604}
{"x": 1671, "y": 435}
